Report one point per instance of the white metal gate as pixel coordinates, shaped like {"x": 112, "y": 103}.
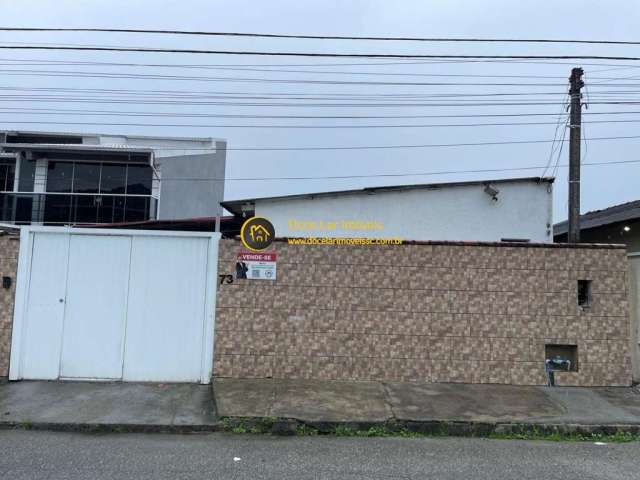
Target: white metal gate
{"x": 102, "y": 304}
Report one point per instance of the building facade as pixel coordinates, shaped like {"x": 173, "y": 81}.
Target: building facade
{"x": 617, "y": 224}
{"x": 428, "y": 312}
{"x": 511, "y": 209}
{"x": 67, "y": 179}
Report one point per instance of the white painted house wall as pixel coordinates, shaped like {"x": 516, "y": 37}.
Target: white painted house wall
{"x": 453, "y": 212}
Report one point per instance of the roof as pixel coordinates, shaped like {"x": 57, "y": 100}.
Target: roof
{"x": 76, "y": 146}
{"x": 229, "y": 226}
{"x": 93, "y": 134}
{"x": 235, "y": 206}
{"x": 597, "y": 218}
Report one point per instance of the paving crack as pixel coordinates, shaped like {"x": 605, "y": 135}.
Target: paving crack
{"x": 387, "y": 401}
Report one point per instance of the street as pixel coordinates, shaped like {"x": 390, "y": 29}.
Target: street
{"x": 36, "y": 454}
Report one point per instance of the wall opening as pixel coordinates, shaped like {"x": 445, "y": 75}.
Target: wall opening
{"x": 584, "y": 293}
{"x": 562, "y": 358}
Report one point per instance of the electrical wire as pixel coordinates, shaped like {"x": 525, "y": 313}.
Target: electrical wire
{"x": 339, "y": 127}
{"x": 383, "y": 175}
{"x": 555, "y": 136}
{"x": 81, "y": 48}
{"x": 388, "y": 147}
{"x": 321, "y": 37}
{"x": 78, "y": 112}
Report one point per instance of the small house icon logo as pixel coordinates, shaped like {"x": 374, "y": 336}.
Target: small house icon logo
{"x": 257, "y": 233}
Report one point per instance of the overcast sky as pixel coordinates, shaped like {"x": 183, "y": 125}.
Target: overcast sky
{"x": 589, "y": 19}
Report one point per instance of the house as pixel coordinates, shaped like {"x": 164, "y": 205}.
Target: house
{"x": 495, "y": 210}
{"x": 617, "y": 224}
{"x": 65, "y": 179}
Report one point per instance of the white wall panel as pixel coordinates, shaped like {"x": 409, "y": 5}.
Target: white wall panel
{"x": 115, "y": 304}
{"x": 42, "y": 332}
{"x": 166, "y": 319}
{"x": 97, "y": 286}
{"x": 460, "y": 213}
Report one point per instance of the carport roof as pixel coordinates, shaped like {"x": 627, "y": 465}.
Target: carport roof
{"x": 606, "y": 216}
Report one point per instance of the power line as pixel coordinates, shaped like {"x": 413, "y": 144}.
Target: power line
{"x": 54, "y": 111}
{"x": 388, "y": 147}
{"x": 322, "y": 65}
{"x": 309, "y": 54}
{"x": 555, "y": 136}
{"x": 338, "y": 127}
{"x": 271, "y": 68}
{"x": 85, "y": 74}
{"x": 384, "y": 175}
{"x": 322, "y": 37}
{"x": 185, "y": 101}
{"x": 272, "y": 95}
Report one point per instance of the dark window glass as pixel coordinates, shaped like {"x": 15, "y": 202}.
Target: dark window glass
{"x": 85, "y": 209}
{"x": 59, "y": 177}
{"x": 139, "y": 180}
{"x": 137, "y": 209}
{"x": 57, "y": 209}
{"x": 4, "y": 173}
{"x": 11, "y": 172}
{"x": 113, "y": 178}
{"x": 6, "y": 207}
{"x": 86, "y": 178}
{"x": 584, "y": 293}
{"x": 24, "y": 209}
{"x": 27, "y": 176}
{"x": 110, "y": 209}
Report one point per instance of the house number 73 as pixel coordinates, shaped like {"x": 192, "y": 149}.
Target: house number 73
{"x": 226, "y": 278}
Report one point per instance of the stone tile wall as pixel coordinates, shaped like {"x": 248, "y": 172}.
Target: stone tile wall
{"x": 8, "y": 267}
{"x": 436, "y": 312}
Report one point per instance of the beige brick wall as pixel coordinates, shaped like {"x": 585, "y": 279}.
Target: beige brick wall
{"x": 478, "y": 313}
{"x": 8, "y": 268}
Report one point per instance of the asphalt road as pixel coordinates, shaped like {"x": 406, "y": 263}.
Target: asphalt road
{"x": 34, "y": 455}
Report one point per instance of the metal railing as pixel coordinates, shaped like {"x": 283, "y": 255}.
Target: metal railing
{"x": 74, "y": 208}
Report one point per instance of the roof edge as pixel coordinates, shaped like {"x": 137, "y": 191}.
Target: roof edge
{"x": 231, "y": 205}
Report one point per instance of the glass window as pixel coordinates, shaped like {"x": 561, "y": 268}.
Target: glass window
{"x": 110, "y": 209}
{"x": 86, "y": 178}
{"x": 57, "y": 209}
{"x": 139, "y": 180}
{"x": 6, "y": 207}
{"x": 59, "y": 177}
{"x": 6, "y": 177}
{"x": 114, "y": 178}
{"x": 84, "y": 209}
{"x": 27, "y": 175}
{"x": 24, "y": 209}
{"x": 137, "y": 209}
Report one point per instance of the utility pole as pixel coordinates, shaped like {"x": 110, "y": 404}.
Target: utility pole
{"x": 575, "y": 120}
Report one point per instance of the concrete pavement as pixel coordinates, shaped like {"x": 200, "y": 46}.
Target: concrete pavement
{"x": 281, "y": 405}
{"x": 109, "y": 406}
{"x": 71, "y": 456}
{"x": 334, "y": 401}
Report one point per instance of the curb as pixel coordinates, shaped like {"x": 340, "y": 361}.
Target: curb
{"x": 451, "y": 428}
{"x": 110, "y": 427}
{"x": 292, "y": 426}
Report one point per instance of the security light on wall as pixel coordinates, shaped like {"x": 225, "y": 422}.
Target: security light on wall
{"x": 626, "y": 228}
{"x": 492, "y": 192}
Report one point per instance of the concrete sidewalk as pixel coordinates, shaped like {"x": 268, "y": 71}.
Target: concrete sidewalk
{"x": 96, "y": 406}
{"x": 456, "y": 409}
{"x": 375, "y": 402}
